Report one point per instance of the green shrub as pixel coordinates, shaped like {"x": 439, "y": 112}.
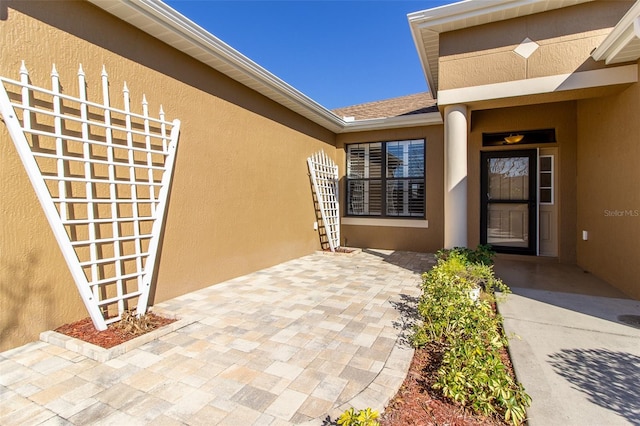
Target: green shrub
{"x": 482, "y": 254}
{"x": 366, "y": 417}
{"x": 471, "y": 372}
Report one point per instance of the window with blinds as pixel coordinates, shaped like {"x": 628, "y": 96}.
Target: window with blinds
{"x": 386, "y": 179}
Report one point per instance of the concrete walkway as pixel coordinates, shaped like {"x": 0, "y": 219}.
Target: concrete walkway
{"x": 576, "y": 358}
{"x": 291, "y": 344}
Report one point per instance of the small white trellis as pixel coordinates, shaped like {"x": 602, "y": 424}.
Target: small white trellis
{"x": 324, "y": 176}
{"x": 102, "y": 176}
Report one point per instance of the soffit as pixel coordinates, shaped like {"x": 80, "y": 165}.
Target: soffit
{"x": 426, "y": 25}
{"x": 623, "y": 43}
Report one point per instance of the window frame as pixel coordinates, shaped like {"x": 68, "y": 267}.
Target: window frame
{"x": 383, "y": 179}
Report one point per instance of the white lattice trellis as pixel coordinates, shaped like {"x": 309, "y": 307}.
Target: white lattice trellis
{"x": 324, "y": 176}
{"x": 102, "y": 176}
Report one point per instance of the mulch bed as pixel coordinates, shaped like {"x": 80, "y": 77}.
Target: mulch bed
{"x": 416, "y": 405}
{"x": 113, "y": 335}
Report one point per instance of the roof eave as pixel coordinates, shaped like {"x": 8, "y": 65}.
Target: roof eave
{"x": 424, "y": 61}
{"x": 626, "y": 32}
{"x": 411, "y": 120}
{"x": 168, "y": 25}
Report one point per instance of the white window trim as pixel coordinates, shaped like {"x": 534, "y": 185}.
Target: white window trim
{"x": 388, "y": 222}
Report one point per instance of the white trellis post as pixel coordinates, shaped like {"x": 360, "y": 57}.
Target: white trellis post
{"x": 94, "y": 227}
{"x": 324, "y": 176}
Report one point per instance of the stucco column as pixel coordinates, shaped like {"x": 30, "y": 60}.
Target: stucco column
{"x": 455, "y": 176}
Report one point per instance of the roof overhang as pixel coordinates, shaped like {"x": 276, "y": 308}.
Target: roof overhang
{"x": 623, "y": 43}
{"x": 427, "y": 25}
{"x": 168, "y": 25}
{"x": 544, "y": 89}
{"x": 171, "y": 27}
{"x": 412, "y": 120}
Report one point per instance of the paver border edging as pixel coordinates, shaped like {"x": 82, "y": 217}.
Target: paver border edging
{"x": 382, "y": 388}
{"x": 352, "y": 252}
{"x": 101, "y": 354}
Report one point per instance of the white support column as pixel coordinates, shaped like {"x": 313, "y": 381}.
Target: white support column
{"x": 455, "y": 176}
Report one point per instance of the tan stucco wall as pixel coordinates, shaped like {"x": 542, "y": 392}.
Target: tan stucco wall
{"x": 401, "y": 238}
{"x": 240, "y": 197}
{"x": 562, "y": 117}
{"x": 485, "y": 54}
{"x": 609, "y": 188}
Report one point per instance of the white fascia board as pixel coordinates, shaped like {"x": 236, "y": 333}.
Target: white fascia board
{"x": 412, "y": 120}
{"x": 422, "y": 54}
{"x": 622, "y": 34}
{"x": 556, "y": 83}
{"x": 468, "y": 9}
{"x": 163, "y": 18}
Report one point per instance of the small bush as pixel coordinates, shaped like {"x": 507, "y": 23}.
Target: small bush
{"x": 366, "y": 417}
{"x": 471, "y": 372}
{"x": 483, "y": 254}
{"x": 131, "y": 323}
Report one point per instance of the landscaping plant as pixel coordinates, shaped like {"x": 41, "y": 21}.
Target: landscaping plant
{"x": 366, "y": 417}
{"x": 131, "y": 323}
{"x": 483, "y": 254}
{"x": 470, "y": 334}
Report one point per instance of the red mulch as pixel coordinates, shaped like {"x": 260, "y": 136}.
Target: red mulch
{"x": 112, "y": 336}
{"x": 416, "y": 405}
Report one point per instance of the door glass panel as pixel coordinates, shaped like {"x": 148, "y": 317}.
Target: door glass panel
{"x": 509, "y": 206}
{"x": 508, "y": 178}
{"x": 508, "y": 225}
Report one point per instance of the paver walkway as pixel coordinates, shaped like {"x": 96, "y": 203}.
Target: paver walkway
{"x": 290, "y": 344}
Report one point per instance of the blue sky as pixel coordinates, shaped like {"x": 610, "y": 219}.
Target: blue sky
{"x": 337, "y": 52}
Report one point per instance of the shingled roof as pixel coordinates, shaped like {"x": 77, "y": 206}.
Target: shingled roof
{"x": 418, "y": 103}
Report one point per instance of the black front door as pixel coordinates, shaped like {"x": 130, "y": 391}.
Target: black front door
{"x": 508, "y": 197}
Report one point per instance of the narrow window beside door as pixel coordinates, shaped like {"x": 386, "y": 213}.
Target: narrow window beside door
{"x": 546, "y": 179}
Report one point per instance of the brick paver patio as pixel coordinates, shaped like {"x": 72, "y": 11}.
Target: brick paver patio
{"x": 290, "y": 344}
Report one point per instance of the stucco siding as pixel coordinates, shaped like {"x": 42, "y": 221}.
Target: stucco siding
{"x": 566, "y": 37}
{"x": 608, "y": 188}
{"x": 240, "y": 198}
